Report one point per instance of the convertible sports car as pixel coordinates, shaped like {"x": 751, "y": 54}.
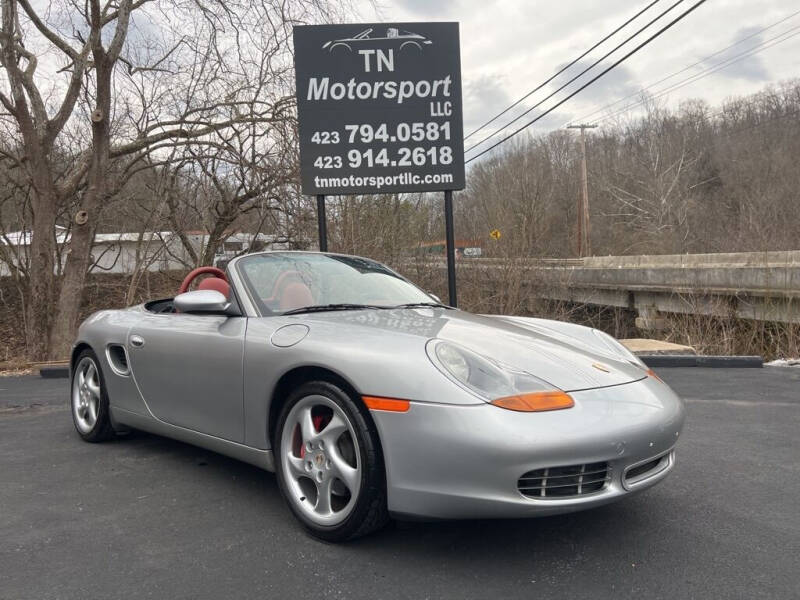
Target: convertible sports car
{"x": 394, "y": 38}
{"x": 371, "y": 399}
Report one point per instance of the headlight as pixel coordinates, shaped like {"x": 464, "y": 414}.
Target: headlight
{"x": 616, "y": 348}
{"x": 497, "y": 384}
{"x": 454, "y": 361}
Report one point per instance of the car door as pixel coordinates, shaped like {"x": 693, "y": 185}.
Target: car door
{"x": 188, "y": 368}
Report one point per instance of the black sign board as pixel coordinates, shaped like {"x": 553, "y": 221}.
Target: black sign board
{"x": 379, "y": 107}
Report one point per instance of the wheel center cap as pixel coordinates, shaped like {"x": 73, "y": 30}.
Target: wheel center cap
{"x": 319, "y": 459}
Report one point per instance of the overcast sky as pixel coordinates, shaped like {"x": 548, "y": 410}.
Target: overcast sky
{"x": 508, "y": 47}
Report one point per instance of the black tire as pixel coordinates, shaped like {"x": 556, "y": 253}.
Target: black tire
{"x": 370, "y": 512}
{"x": 102, "y": 429}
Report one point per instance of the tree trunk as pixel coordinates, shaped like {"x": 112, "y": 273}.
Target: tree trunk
{"x": 80, "y": 247}
{"x": 42, "y": 287}
{"x": 69, "y": 302}
{"x": 216, "y": 239}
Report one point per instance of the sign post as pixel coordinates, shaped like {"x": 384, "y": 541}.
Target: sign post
{"x": 451, "y": 250}
{"x": 379, "y": 110}
{"x": 322, "y": 223}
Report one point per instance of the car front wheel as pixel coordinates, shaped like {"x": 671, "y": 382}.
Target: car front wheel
{"x": 89, "y": 400}
{"x": 329, "y": 463}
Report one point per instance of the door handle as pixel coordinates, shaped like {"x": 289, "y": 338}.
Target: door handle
{"x": 137, "y": 340}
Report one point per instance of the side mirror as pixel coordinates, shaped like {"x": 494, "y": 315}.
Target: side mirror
{"x": 203, "y": 301}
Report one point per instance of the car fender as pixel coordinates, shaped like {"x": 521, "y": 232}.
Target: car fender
{"x": 374, "y": 363}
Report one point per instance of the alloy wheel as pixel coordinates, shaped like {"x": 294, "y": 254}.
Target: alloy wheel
{"x": 86, "y": 394}
{"x": 321, "y": 460}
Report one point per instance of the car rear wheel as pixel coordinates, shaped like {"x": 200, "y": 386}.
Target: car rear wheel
{"x": 89, "y": 399}
{"x": 329, "y": 463}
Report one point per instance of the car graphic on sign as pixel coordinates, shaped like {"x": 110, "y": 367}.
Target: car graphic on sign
{"x": 394, "y": 38}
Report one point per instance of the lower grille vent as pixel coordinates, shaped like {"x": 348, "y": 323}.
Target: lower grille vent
{"x": 564, "y": 482}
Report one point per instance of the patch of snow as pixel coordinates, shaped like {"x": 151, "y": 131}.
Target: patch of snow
{"x": 783, "y": 362}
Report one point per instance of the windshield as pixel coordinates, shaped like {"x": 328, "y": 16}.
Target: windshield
{"x": 283, "y": 282}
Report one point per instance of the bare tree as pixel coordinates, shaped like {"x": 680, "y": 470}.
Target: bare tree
{"x": 125, "y": 80}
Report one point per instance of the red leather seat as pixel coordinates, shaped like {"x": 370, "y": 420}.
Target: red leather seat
{"x": 295, "y": 295}
{"x": 216, "y": 284}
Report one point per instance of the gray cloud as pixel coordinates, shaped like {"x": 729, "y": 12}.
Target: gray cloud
{"x": 484, "y": 97}
{"x": 750, "y": 68}
{"x": 428, "y": 8}
{"x": 617, "y": 83}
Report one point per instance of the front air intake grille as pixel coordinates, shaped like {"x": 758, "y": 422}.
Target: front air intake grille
{"x": 564, "y": 482}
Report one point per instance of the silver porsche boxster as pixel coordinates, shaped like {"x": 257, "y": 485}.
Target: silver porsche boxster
{"x": 371, "y": 399}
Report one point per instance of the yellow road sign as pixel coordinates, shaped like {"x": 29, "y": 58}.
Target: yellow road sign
{"x": 495, "y": 234}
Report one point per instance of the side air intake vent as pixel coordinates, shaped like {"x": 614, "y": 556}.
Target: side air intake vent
{"x": 118, "y": 359}
{"x": 648, "y": 469}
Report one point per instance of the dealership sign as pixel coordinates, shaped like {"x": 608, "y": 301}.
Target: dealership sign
{"x": 379, "y": 108}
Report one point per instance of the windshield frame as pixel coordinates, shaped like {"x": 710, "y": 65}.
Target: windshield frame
{"x": 262, "y": 311}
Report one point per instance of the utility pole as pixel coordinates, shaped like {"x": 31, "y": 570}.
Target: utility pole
{"x": 584, "y": 231}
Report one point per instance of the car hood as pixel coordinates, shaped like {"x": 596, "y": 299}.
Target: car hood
{"x": 567, "y": 356}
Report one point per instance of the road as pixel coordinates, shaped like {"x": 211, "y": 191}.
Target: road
{"x": 145, "y": 517}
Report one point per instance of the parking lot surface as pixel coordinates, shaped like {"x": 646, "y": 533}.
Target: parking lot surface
{"x": 146, "y": 517}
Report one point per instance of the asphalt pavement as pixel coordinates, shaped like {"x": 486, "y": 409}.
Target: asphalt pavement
{"x": 146, "y": 517}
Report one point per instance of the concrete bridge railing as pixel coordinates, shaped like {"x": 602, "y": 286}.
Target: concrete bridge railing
{"x": 749, "y": 285}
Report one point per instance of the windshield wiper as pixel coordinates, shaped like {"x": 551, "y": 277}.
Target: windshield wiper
{"x": 330, "y": 307}
{"x": 423, "y": 305}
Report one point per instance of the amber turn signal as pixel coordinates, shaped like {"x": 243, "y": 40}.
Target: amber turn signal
{"x": 389, "y": 404}
{"x": 651, "y": 373}
{"x": 536, "y": 401}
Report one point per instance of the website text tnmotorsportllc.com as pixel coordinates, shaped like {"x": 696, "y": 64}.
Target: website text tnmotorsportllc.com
{"x": 379, "y": 181}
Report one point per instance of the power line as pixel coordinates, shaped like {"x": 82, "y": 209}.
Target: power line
{"x": 683, "y": 70}
{"x": 709, "y": 71}
{"x": 578, "y": 76}
{"x": 595, "y": 78}
{"x": 560, "y": 71}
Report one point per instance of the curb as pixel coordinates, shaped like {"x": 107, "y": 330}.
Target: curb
{"x": 713, "y": 362}
{"x": 55, "y": 372}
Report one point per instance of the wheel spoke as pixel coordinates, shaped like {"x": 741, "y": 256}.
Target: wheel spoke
{"x": 81, "y": 377}
{"x": 333, "y": 430}
{"x": 91, "y": 372}
{"x": 296, "y": 464}
{"x": 94, "y": 388}
{"x": 306, "y": 423}
{"x": 324, "y": 489}
{"x": 347, "y": 474}
{"x": 92, "y": 411}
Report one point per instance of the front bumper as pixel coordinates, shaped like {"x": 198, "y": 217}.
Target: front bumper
{"x": 464, "y": 461}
